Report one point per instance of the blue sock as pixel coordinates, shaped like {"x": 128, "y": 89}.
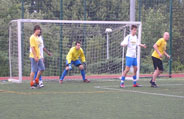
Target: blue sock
{"x": 134, "y": 80}
{"x": 35, "y": 75}
{"x": 64, "y": 74}
{"x": 122, "y": 79}
{"x": 40, "y": 79}
{"x": 83, "y": 74}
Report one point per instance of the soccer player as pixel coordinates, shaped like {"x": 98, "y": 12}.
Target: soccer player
{"x": 73, "y": 58}
{"x": 157, "y": 55}
{"x": 36, "y": 61}
{"x": 42, "y": 48}
{"x": 131, "y": 42}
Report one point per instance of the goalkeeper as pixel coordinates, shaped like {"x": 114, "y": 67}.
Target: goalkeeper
{"x": 131, "y": 42}
{"x": 73, "y": 58}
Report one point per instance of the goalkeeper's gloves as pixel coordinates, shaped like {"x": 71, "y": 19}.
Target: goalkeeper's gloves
{"x": 70, "y": 66}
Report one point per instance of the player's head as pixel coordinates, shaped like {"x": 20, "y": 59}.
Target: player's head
{"x": 37, "y": 29}
{"x": 133, "y": 30}
{"x": 77, "y": 45}
{"x": 166, "y": 36}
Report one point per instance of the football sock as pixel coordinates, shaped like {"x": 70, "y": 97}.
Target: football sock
{"x": 134, "y": 80}
{"x": 37, "y": 81}
{"x": 36, "y": 75}
{"x": 31, "y": 83}
{"x": 122, "y": 80}
{"x": 83, "y": 74}
{"x": 64, "y": 74}
{"x": 40, "y": 79}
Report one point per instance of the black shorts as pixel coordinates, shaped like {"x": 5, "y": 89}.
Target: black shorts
{"x": 157, "y": 63}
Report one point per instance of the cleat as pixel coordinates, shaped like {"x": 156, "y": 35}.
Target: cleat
{"x": 122, "y": 85}
{"x": 154, "y": 85}
{"x": 151, "y": 82}
{"x": 136, "y": 85}
{"x": 60, "y": 81}
{"x": 33, "y": 85}
{"x": 86, "y": 81}
{"x": 41, "y": 84}
{"x": 37, "y": 81}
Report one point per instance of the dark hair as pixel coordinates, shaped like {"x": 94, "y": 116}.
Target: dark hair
{"x": 133, "y": 26}
{"x": 77, "y": 42}
{"x": 37, "y": 27}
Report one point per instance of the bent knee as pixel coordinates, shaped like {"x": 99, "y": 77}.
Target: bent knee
{"x": 81, "y": 67}
{"x": 67, "y": 68}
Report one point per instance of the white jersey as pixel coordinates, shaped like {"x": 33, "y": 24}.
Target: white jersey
{"x": 41, "y": 46}
{"x": 132, "y": 43}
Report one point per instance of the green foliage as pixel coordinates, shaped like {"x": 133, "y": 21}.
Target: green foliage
{"x": 155, "y": 20}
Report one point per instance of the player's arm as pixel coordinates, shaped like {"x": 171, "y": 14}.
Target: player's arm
{"x": 124, "y": 43}
{"x": 165, "y": 53}
{"x": 46, "y": 51}
{"x": 156, "y": 49}
{"x": 143, "y": 45}
{"x": 34, "y": 53}
{"x": 69, "y": 56}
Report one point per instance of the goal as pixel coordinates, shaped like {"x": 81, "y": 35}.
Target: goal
{"x": 100, "y": 41}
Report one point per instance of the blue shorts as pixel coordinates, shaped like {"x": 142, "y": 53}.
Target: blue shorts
{"x": 37, "y": 66}
{"x": 131, "y": 61}
{"x": 76, "y": 63}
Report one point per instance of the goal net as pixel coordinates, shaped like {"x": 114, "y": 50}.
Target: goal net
{"x": 100, "y": 40}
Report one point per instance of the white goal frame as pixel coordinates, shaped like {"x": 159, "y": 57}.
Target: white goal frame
{"x": 19, "y": 28}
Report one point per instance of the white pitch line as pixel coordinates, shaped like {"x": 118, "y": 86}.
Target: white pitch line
{"x": 140, "y": 92}
{"x": 143, "y": 85}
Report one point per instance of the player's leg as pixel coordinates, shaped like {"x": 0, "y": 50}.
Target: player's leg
{"x": 81, "y": 68}
{"x": 134, "y": 76}
{"x": 35, "y": 75}
{"x": 64, "y": 72}
{"x": 129, "y": 61}
{"x": 41, "y": 69}
{"x": 34, "y": 68}
{"x": 158, "y": 66}
{"x": 135, "y": 73}
{"x": 40, "y": 78}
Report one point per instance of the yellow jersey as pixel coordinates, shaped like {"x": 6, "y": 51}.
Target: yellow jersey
{"x": 34, "y": 42}
{"x": 74, "y": 55}
{"x": 161, "y": 44}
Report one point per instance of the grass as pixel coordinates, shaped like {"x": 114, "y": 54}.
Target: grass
{"x": 100, "y": 99}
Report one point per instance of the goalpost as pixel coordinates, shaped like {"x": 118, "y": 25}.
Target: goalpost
{"x": 100, "y": 42}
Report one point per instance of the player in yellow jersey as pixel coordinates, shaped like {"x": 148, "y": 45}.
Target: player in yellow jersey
{"x": 36, "y": 62}
{"x": 157, "y": 55}
{"x": 73, "y": 58}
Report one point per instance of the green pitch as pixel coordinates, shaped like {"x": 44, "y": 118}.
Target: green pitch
{"x": 100, "y": 99}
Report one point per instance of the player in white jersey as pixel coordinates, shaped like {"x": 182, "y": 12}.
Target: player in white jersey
{"x": 42, "y": 48}
{"x": 131, "y": 41}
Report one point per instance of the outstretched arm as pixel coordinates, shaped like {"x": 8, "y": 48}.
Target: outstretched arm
{"x": 143, "y": 45}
